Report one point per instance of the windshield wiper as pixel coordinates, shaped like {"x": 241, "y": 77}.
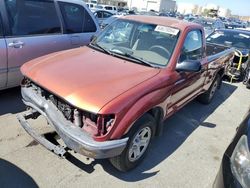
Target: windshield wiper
{"x": 141, "y": 60}
{"x": 131, "y": 56}
{"x": 100, "y": 47}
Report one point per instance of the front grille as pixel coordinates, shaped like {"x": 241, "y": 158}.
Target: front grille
{"x": 66, "y": 109}
{"x": 94, "y": 124}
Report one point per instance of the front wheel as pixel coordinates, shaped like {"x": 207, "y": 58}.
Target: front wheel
{"x": 207, "y": 97}
{"x": 140, "y": 137}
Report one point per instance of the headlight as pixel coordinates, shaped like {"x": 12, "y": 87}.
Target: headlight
{"x": 240, "y": 162}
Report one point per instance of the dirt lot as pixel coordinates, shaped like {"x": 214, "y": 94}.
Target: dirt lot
{"x": 187, "y": 155}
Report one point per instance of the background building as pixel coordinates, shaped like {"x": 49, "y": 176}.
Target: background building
{"x": 119, "y": 3}
{"x": 186, "y": 8}
{"x": 157, "y": 5}
{"x": 212, "y": 10}
{"x": 224, "y": 12}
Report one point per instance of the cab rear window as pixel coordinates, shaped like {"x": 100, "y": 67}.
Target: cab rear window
{"x": 1, "y": 27}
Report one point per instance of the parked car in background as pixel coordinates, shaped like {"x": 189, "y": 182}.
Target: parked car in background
{"x": 149, "y": 13}
{"x": 109, "y": 8}
{"x": 189, "y": 18}
{"x": 248, "y": 25}
{"x": 168, "y": 14}
{"x": 234, "y": 25}
{"x": 125, "y": 11}
{"x": 235, "y": 166}
{"x": 91, "y": 5}
{"x": 109, "y": 20}
{"x": 102, "y": 15}
{"x": 32, "y": 28}
{"x": 210, "y": 24}
{"x": 239, "y": 39}
{"x": 115, "y": 93}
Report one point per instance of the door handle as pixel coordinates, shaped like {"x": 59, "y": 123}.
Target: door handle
{"x": 16, "y": 44}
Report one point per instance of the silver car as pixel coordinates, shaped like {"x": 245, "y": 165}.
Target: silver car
{"x": 32, "y": 28}
{"x": 102, "y": 15}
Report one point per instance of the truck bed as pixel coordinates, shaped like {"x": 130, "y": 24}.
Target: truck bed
{"x": 215, "y": 51}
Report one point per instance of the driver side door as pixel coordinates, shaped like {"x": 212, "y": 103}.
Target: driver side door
{"x": 189, "y": 84}
{"x": 3, "y": 58}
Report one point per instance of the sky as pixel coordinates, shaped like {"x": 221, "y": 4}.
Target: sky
{"x": 239, "y": 7}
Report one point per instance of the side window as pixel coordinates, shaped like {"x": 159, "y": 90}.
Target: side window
{"x": 106, "y": 14}
{"x": 1, "y": 27}
{"x": 108, "y": 8}
{"x": 192, "y": 48}
{"x": 89, "y": 24}
{"x": 32, "y": 17}
{"x": 98, "y": 14}
{"x": 119, "y": 32}
{"x": 77, "y": 19}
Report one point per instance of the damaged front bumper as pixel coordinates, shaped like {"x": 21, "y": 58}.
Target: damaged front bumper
{"x": 74, "y": 137}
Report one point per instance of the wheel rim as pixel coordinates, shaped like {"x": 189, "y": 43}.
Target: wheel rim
{"x": 139, "y": 144}
{"x": 214, "y": 87}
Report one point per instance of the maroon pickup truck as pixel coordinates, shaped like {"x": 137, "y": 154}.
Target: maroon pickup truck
{"x": 109, "y": 99}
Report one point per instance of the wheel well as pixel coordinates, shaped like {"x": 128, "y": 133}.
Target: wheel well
{"x": 221, "y": 74}
{"x": 158, "y": 114}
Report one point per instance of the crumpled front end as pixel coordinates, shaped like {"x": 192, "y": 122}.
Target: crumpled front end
{"x": 76, "y": 128}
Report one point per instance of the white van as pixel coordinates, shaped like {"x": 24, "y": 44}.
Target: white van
{"x": 91, "y": 5}
{"x": 109, "y": 8}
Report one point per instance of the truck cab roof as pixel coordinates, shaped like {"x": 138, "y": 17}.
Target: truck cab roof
{"x": 164, "y": 21}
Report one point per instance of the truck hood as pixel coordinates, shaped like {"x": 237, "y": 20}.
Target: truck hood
{"x": 86, "y": 78}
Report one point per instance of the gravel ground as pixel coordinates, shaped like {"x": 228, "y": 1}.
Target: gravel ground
{"x": 188, "y": 154}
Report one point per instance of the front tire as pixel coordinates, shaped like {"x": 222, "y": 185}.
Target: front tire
{"x": 140, "y": 137}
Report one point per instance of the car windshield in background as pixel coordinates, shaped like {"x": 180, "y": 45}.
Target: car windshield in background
{"x": 230, "y": 38}
{"x": 140, "y": 42}
{"x": 208, "y": 24}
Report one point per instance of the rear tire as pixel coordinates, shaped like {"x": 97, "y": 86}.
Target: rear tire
{"x": 208, "y": 96}
{"x": 140, "y": 136}
{"x": 248, "y": 84}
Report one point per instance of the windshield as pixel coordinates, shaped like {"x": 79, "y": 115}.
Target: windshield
{"x": 140, "y": 42}
{"x": 228, "y": 38}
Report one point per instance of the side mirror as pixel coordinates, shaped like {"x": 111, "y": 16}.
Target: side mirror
{"x": 188, "y": 66}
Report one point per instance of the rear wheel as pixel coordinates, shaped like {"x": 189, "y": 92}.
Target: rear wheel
{"x": 207, "y": 97}
{"x": 140, "y": 137}
{"x": 248, "y": 84}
